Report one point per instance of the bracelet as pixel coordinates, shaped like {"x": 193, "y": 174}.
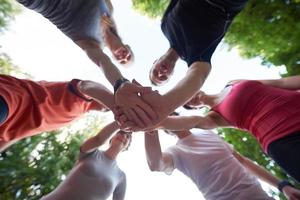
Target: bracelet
{"x": 118, "y": 84}
{"x": 282, "y": 184}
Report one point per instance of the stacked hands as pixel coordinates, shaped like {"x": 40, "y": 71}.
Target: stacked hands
{"x": 139, "y": 108}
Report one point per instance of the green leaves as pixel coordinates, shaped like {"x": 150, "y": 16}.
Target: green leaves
{"x": 8, "y": 9}
{"x": 151, "y": 8}
{"x": 269, "y": 30}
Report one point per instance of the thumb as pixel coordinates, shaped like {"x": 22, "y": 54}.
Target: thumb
{"x": 135, "y": 82}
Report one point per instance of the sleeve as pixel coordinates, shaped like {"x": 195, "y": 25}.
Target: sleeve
{"x": 119, "y": 192}
{"x": 171, "y": 152}
{"x": 72, "y": 86}
{"x": 83, "y": 155}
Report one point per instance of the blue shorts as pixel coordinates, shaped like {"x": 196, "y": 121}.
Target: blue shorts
{"x": 3, "y": 110}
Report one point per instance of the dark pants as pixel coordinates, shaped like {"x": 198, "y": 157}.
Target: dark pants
{"x": 3, "y": 110}
{"x": 286, "y": 153}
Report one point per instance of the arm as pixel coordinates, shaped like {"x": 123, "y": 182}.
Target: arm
{"x": 119, "y": 192}
{"x": 95, "y": 53}
{"x": 127, "y": 94}
{"x": 188, "y": 86}
{"x": 157, "y": 161}
{"x": 290, "y": 192}
{"x": 92, "y": 143}
{"x": 5, "y": 145}
{"x": 98, "y": 92}
{"x": 187, "y": 122}
{"x": 289, "y": 83}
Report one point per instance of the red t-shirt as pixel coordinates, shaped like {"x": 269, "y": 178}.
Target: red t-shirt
{"x": 269, "y": 113}
{"x": 35, "y": 107}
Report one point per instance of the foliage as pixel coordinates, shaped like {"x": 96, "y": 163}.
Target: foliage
{"x": 7, "y": 67}
{"x": 269, "y": 29}
{"x": 8, "y": 9}
{"x": 34, "y": 166}
{"x": 151, "y": 8}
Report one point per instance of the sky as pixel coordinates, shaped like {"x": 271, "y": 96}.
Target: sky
{"x": 41, "y": 50}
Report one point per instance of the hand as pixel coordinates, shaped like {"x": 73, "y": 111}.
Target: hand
{"x": 123, "y": 55}
{"x": 132, "y": 106}
{"x": 291, "y": 193}
{"x": 158, "y": 104}
{"x": 162, "y": 70}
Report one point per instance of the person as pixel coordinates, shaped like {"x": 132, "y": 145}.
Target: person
{"x": 268, "y": 109}
{"x": 96, "y": 174}
{"x": 28, "y": 107}
{"x": 89, "y": 23}
{"x": 194, "y": 29}
{"x": 219, "y": 172}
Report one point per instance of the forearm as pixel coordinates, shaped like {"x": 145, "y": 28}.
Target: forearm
{"x": 172, "y": 55}
{"x": 288, "y": 83}
{"x": 98, "y": 92}
{"x": 188, "y": 86}
{"x": 111, "y": 72}
{"x": 185, "y": 123}
{"x": 5, "y": 145}
{"x": 95, "y": 53}
{"x": 98, "y": 140}
{"x": 260, "y": 172}
{"x": 153, "y": 151}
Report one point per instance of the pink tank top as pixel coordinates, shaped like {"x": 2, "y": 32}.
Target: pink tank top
{"x": 269, "y": 113}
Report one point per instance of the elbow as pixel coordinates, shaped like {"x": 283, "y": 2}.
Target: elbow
{"x": 154, "y": 167}
{"x": 84, "y": 86}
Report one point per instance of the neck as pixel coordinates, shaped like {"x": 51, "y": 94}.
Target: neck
{"x": 183, "y": 134}
{"x": 112, "y": 153}
{"x": 210, "y": 100}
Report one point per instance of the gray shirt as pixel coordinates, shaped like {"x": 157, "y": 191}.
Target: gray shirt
{"x": 94, "y": 177}
{"x": 78, "y": 19}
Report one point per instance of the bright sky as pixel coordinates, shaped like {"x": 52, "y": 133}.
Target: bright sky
{"x": 41, "y": 50}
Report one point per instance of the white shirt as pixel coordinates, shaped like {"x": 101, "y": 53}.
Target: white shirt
{"x": 208, "y": 161}
{"x": 94, "y": 177}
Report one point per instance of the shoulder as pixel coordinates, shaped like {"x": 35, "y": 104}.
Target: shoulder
{"x": 84, "y": 155}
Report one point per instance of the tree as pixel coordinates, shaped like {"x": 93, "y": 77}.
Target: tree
{"x": 269, "y": 29}
{"x": 8, "y": 9}
{"x": 151, "y": 8}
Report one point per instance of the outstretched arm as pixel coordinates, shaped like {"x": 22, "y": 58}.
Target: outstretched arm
{"x": 92, "y": 143}
{"x": 98, "y": 92}
{"x": 210, "y": 121}
{"x": 188, "y": 86}
{"x": 157, "y": 161}
{"x": 289, "y": 83}
{"x": 181, "y": 93}
{"x": 290, "y": 192}
{"x": 127, "y": 94}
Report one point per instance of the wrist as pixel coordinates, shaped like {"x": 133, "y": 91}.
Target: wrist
{"x": 119, "y": 83}
{"x": 282, "y": 184}
{"x": 172, "y": 55}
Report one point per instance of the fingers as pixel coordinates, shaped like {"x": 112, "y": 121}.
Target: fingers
{"x": 135, "y": 118}
{"x": 143, "y": 116}
{"x": 148, "y": 110}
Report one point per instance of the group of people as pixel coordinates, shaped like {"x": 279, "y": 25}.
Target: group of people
{"x": 268, "y": 109}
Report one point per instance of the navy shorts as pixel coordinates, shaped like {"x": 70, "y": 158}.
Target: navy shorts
{"x": 3, "y": 110}
{"x": 286, "y": 153}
